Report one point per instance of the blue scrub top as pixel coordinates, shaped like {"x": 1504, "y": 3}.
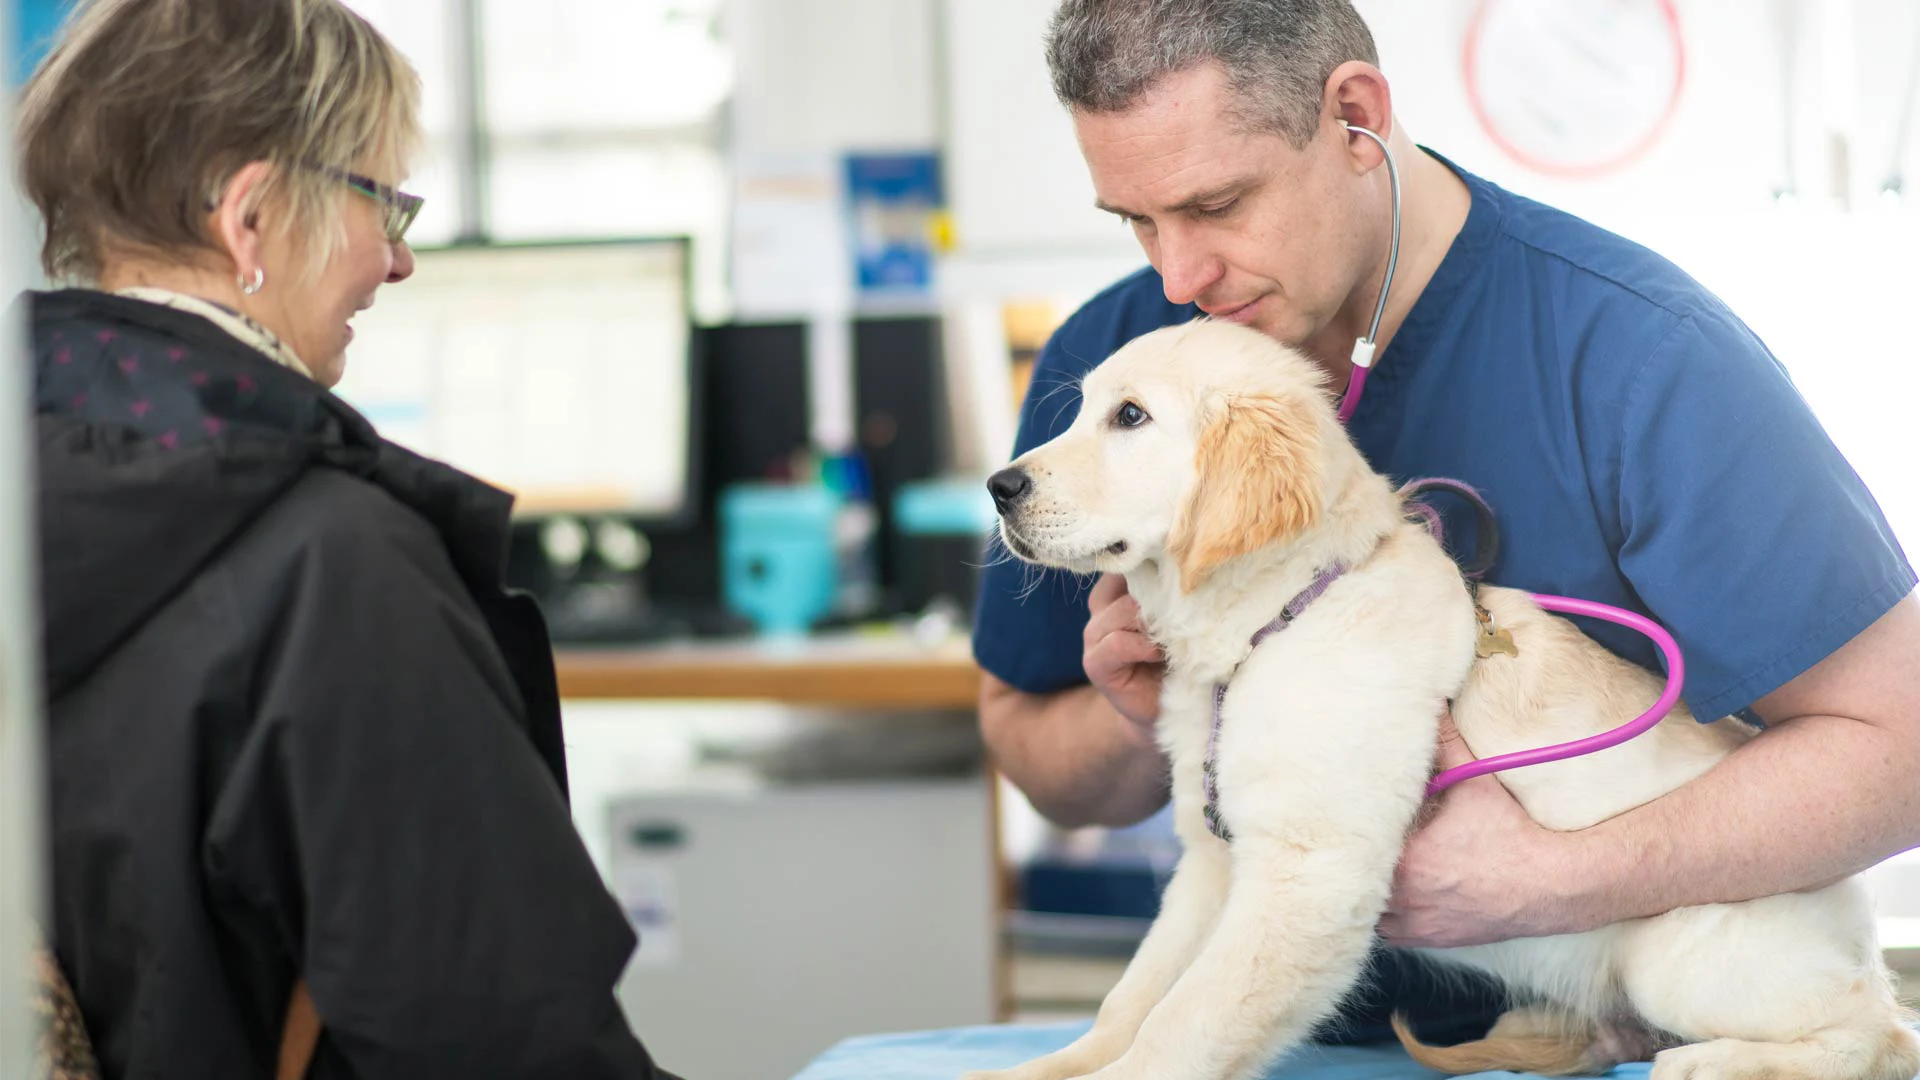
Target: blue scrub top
{"x": 1640, "y": 446}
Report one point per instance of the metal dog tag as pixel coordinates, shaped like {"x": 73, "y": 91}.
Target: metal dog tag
{"x": 1492, "y": 642}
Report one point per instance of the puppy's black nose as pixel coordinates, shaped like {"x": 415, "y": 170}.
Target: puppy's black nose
{"x": 1008, "y": 487}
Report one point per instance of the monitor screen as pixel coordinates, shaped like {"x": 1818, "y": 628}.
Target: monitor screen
{"x": 560, "y": 372}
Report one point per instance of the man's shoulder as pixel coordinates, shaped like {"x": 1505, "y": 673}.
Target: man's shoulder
{"x": 1134, "y": 305}
{"x": 1601, "y": 266}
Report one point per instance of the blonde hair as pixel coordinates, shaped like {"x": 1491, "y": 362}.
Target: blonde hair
{"x": 134, "y": 124}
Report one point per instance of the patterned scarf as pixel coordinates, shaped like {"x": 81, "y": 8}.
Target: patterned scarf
{"x": 241, "y": 327}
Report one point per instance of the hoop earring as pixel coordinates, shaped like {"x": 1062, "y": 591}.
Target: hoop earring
{"x": 251, "y": 287}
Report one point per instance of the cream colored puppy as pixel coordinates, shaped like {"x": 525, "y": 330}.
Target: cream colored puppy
{"x": 1207, "y": 466}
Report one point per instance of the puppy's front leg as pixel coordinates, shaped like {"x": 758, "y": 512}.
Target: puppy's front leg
{"x": 1188, "y": 910}
{"x": 1290, "y": 942}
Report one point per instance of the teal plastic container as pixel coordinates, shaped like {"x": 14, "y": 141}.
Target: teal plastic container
{"x": 778, "y": 561}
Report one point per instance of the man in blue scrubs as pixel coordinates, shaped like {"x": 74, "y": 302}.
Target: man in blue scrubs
{"x": 1640, "y": 445}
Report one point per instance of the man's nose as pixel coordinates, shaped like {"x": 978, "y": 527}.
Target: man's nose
{"x": 1009, "y": 486}
{"x": 1187, "y": 268}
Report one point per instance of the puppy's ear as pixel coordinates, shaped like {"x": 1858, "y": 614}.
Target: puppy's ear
{"x": 1257, "y": 482}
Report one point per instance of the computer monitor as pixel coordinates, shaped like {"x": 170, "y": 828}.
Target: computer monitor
{"x": 562, "y": 372}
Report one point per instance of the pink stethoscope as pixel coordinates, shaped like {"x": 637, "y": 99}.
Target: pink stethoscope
{"x": 1363, "y": 350}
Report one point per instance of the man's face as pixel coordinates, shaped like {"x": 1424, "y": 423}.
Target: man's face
{"x": 1239, "y": 222}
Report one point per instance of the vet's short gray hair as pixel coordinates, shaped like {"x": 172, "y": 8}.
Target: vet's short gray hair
{"x": 1277, "y": 54}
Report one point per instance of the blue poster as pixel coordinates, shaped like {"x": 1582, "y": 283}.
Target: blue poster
{"x": 34, "y": 22}
{"x": 893, "y": 201}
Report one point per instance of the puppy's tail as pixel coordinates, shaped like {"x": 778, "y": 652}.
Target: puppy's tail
{"x": 1558, "y": 1054}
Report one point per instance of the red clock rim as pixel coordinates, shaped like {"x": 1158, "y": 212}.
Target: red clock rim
{"x": 1563, "y": 169}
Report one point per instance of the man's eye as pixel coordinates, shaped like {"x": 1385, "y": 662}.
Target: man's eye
{"x": 1129, "y": 415}
{"x": 1222, "y": 210}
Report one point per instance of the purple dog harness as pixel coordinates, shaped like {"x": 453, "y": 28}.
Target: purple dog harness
{"x": 1208, "y": 770}
{"x": 1486, "y": 553}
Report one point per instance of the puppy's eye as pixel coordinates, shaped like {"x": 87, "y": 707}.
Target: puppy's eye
{"x": 1130, "y": 415}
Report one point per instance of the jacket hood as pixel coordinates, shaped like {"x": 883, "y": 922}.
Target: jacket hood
{"x": 161, "y": 438}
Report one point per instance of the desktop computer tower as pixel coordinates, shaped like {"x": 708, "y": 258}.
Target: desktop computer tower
{"x": 901, "y": 414}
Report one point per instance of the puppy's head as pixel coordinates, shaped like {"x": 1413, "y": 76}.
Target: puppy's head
{"x": 1194, "y": 445}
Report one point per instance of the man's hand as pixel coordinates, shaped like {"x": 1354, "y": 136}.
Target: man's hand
{"x": 1476, "y": 870}
{"x": 1121, "y": 662}
{"x": 1086, "y": 755}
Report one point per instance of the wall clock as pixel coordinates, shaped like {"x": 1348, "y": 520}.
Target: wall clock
{"x": 1574, "y": 87}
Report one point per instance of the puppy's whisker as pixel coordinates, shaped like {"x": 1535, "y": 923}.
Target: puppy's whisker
{"x": 1073, "y": 384}
{"x": 1035, "y": 576}
{"x": 996, "y": 551}
{"x": 1004, "y": 557}
{"x": 1066, "y": 383}
{"x": 1030, "y": 578}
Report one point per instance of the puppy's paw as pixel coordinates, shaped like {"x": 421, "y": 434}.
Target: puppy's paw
{"x": 1071, "y": 1062}
{"x": 1722, "y": 1059}
{"x": 1063, "y": 1065}
{"x": 1021, "y": 1072}
{"x": 1122, "y": 1070}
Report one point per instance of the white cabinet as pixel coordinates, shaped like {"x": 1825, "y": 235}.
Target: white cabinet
{"x": 779, "y": 921}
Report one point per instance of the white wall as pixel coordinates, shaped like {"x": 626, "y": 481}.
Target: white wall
{"x": 1019, "y": 186}
{"x": 20, "y": 838}
{"x": 833, "y": 75}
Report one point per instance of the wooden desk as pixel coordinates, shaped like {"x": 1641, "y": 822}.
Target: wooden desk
{"x": 851, "y": 671}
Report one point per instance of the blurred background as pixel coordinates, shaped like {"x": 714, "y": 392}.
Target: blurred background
{"x": 821, "y": 242}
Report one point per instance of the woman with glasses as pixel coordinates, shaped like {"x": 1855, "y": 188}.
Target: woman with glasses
{"x": 305, "y": 751}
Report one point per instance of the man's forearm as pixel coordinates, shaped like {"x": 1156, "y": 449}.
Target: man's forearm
{"x": 1073, "y": 755}
{"x": 1811, "y": 801}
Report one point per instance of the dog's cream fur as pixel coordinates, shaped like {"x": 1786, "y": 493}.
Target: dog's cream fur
{"x": 1224, "y": 503}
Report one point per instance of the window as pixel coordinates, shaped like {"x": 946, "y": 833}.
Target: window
{"x": 600, "y": 119}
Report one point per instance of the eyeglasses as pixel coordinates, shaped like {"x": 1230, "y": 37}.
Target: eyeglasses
{"x": 401, "y": 208}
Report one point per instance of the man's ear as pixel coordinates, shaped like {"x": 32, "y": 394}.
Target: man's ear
{"x": 1256, "y": 482}
{"x": 235, "y": 218}
{"x": 1357, "y": 93}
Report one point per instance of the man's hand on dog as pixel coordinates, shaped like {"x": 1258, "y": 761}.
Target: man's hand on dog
{"x": 1121, "y": 661}
{"x": 1477, "y": 869}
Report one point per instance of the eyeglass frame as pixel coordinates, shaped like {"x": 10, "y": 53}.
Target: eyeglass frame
{"x": 401, "y": 206}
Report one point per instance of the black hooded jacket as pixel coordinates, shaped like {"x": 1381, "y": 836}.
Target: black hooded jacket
{"x": 296, "y": 728}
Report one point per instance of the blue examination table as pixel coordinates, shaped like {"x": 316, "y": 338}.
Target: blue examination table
{"x": 944, "y": 1055}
